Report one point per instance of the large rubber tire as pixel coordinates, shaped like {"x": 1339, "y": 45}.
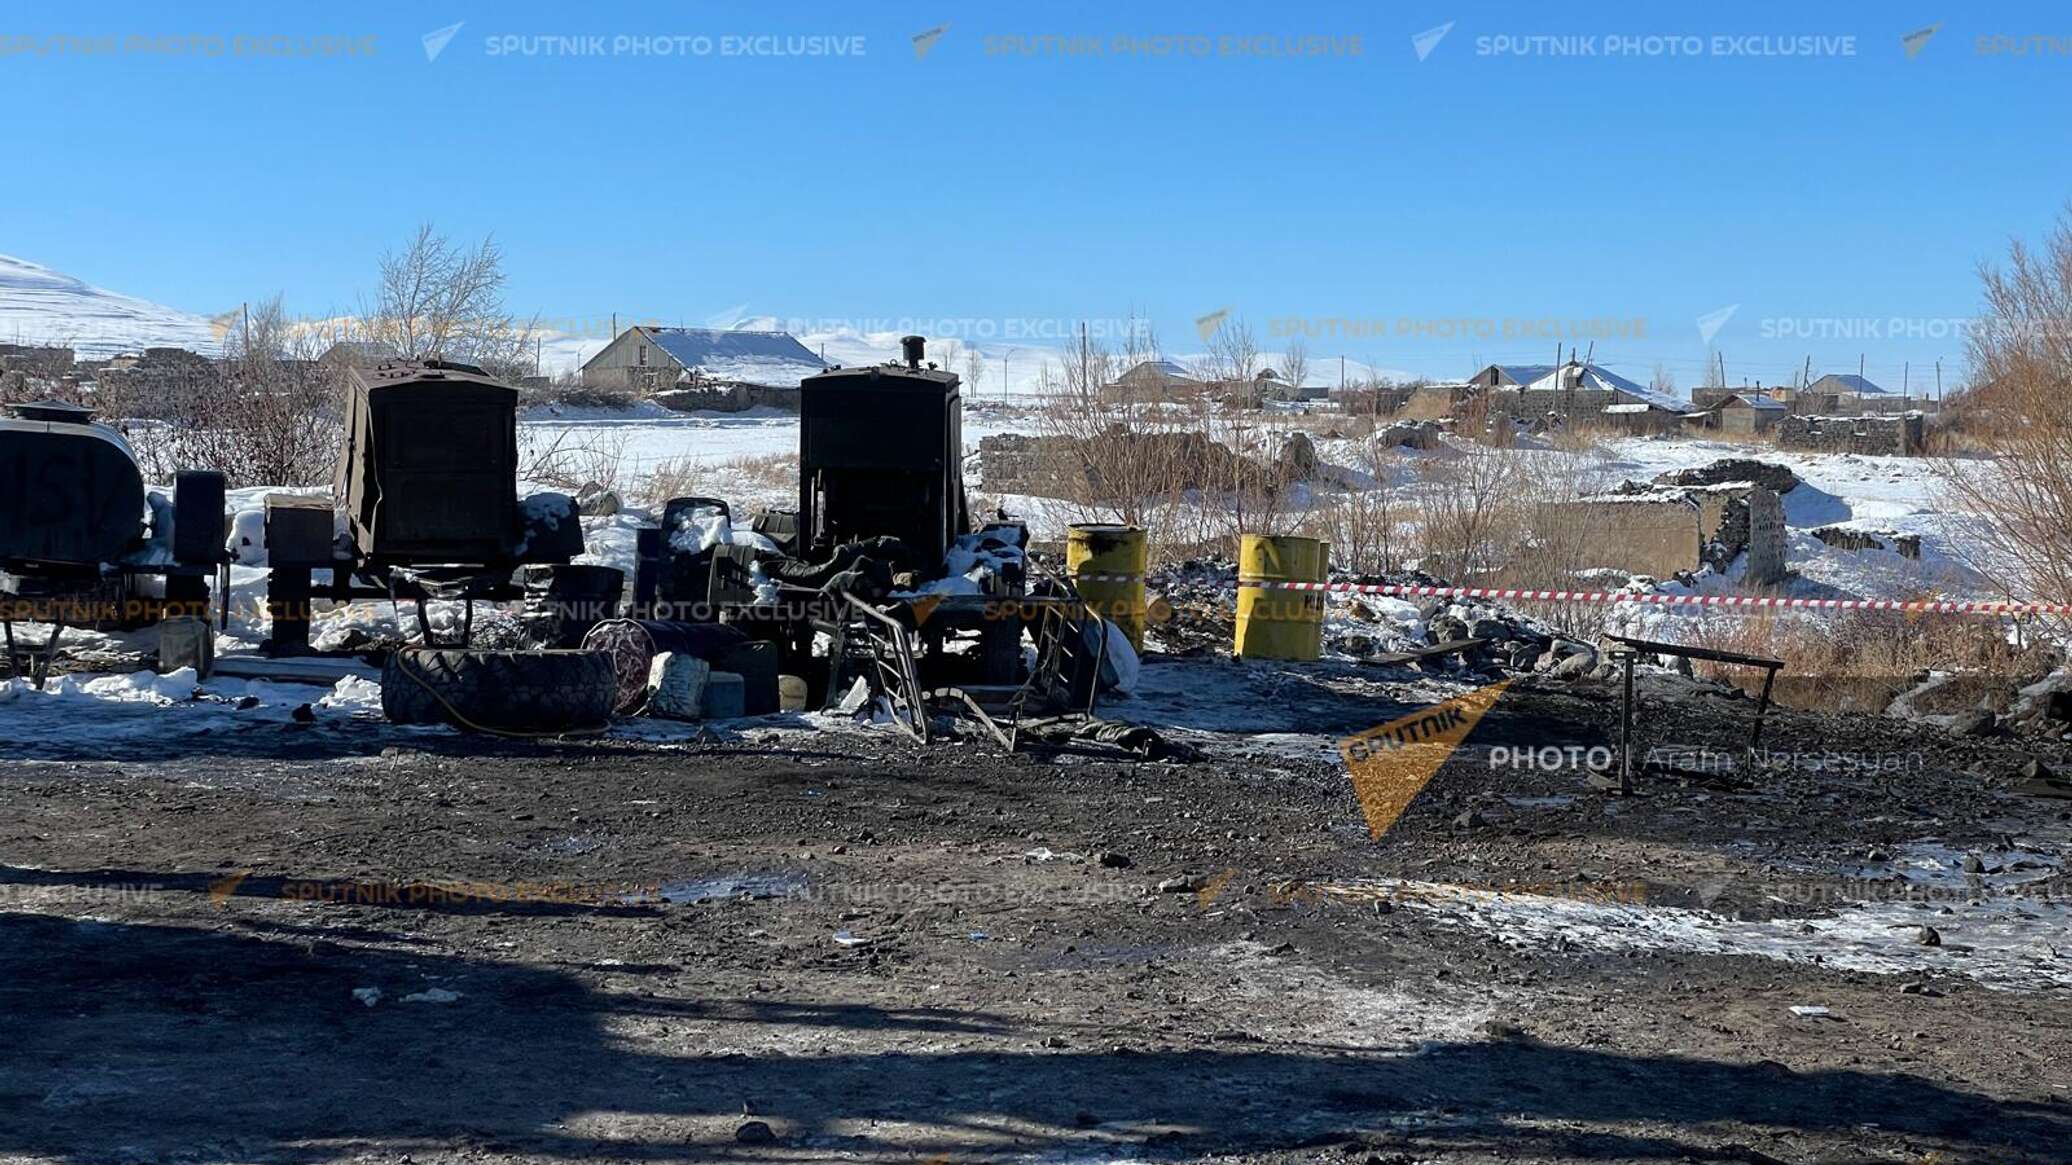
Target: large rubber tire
{"x": 524, "y": 692}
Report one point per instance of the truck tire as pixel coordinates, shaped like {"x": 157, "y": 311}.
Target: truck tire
{"x": 516, "y": 692}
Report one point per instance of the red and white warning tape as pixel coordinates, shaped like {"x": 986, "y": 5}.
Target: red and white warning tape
{"x": 1522, "y": 595}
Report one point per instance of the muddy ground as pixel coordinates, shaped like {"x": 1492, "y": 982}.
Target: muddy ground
{"x": 328, "y": 944}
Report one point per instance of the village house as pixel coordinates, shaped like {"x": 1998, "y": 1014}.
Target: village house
{"x": 358, "y": 354}
{"x": 1509, "y": 375}
{"x": 1845, "y": 394}
{"x": 1152, "y": 382}
{"x": 1170, "y": 382}
{"x": 695, "y": 368}
{"x": 1748, "y": 412}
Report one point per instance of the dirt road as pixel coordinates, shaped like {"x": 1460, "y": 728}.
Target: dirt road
{"x": 802, "y": 946}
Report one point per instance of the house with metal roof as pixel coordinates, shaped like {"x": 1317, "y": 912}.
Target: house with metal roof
{"x": 1577, "y": 379}
{"x": 1747, "y": 412}
{"x": 1845, "y": 384}
{"x": 651, "y": 359}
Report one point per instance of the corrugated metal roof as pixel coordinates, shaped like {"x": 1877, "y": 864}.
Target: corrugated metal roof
{"x": 1523, "y": 374}
{"x": 1595, "y": 378}
{"x": 773, "y": 358}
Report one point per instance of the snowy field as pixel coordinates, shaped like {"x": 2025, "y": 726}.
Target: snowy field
{"x": 1886, "y": 495}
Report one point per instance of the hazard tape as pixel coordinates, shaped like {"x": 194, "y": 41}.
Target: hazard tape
{"x": 1522, "y": 595}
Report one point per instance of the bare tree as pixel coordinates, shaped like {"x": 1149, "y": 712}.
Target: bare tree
{"x": 974, "y": 370}
{"x": 1232, "y": 361}
{"x": 1663, "y": 381}
{"x": 1295, "y": 365}
{"x": 2021, "y": 360}
{"x": 440, "y": 300}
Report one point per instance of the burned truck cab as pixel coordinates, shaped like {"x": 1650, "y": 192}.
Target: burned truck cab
{"x": 431, "y": 452}
{"x": 881, "y": 452}
{"x": 426, "y": 494}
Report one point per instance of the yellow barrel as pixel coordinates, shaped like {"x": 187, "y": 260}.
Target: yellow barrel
{"x": 1119, "y": 552}
{"x": 1277, "y": 624}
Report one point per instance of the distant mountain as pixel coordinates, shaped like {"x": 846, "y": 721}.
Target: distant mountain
{"x": 41, "y": 306}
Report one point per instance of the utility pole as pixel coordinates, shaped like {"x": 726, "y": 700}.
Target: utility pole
{"x": 1084, "y": 388}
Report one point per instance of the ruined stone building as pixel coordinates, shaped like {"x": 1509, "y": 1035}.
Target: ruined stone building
{"x": 1667, "y": 530}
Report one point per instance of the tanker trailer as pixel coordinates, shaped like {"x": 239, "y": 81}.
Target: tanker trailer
{"x": 78, "y": 531}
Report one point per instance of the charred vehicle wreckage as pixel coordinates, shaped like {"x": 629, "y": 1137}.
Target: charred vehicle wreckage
{"x": 876, "y": 590}
{"x": 877, "y": 594}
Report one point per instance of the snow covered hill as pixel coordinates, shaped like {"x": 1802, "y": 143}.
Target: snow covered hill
{"x": 42, "y": 306}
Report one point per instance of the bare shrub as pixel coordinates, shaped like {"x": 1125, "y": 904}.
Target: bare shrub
{"x": 1099, "y": 455}
{"x": 572, "y": 457}
{"x": 1369, "y": 529}
{"x": 266, "y": 414}
{"x": 1556, "y": 541}
{"x": 676, "y": 477}
{"x": 1472, "y": 512}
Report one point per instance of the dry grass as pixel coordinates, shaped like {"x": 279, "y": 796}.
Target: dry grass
{"x": 770, "y": 470}
{"x": 1859, "y": 661}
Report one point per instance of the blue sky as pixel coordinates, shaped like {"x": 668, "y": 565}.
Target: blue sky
{"x": 1490, "y": 201}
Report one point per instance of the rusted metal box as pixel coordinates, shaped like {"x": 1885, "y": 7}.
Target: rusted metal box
{"x": 300, "y": 531}
{"x": 430, "y": 467}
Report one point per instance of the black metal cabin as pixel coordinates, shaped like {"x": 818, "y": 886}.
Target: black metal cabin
{"x": 430, "y": 464}
{"x": 881, "y": 453}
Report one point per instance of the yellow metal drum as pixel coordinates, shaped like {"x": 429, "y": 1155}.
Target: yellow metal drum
{"x": 1278, "y": 624}
{"x": 1119, "y": 552}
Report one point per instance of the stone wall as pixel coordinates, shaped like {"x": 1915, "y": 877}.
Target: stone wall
{"x": 1656, "y": 535}
{"x": 1766, "y": 538}
{"x": 728, "y": 397}
{"x": 1899, "y": 436}
{"x": 1090, "y": 469}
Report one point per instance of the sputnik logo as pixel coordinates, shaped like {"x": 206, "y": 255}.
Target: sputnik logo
{"x": 1711, "y": 322}
{"x": 923, "y": 41}
{"x": 1208, "y": 324}
{"x": 221, "y": 890}
{"x": 1918, "y": 39}
{"x": 435, "y": 41}
{"x": 1424, "y": 42}
{"x": 1392, "y": 764}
